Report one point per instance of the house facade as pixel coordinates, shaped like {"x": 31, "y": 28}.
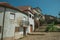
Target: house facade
{"x": 27, "y": 9}
{"x": 21, "y": 24}
{"x": 37, "y": 17}
{"x": 13, "y": 23}
{"x": 7, "y": 21}
{"x": 31, "y": 22}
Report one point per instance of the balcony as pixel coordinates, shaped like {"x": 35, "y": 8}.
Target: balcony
{"x": 24, "y": 23}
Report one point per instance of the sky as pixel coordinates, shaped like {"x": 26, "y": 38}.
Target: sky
{"x": 50, "y": 7}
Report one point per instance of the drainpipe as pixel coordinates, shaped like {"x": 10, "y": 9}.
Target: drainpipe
{"x": 3, "y": 24}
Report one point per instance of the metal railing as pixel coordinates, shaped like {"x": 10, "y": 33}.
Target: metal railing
{"x": 24, "y": 23}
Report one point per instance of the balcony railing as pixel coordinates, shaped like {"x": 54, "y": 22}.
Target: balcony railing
{"x": 26, "y": 23}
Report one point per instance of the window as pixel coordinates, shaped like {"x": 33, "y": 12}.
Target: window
{"x": 12, "y": 16}
{"x": 17, "y": 29}
{"x": 30, "y": 15}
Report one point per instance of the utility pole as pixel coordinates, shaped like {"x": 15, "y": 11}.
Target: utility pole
{"x": 3, "y": 24}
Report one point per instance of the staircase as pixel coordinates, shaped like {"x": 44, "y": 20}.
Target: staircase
{"x": 41, "y": 29}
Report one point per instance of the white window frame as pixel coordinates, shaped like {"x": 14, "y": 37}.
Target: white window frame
{"x": 12, "y": 16}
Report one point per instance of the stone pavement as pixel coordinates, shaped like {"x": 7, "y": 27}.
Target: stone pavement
{"x": 42, "y": 36}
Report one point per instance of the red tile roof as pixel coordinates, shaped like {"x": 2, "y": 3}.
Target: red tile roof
{"x": 22, "y": 8}
{"x": 5, "y": 4}
{"x": 26, "y": 9}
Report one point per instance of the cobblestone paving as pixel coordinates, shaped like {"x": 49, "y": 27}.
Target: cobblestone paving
{"x": 46, "y": 36}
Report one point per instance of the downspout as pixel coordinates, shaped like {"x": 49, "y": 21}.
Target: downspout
{"x": 3, "y": 24}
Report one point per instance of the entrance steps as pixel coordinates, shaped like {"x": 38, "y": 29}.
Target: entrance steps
{"x": 37, "y": 33}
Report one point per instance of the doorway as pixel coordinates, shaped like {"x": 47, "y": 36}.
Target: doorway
{"x": 31, "y": 28}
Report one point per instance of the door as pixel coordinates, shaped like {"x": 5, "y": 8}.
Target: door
{"x": 31, "y": 28}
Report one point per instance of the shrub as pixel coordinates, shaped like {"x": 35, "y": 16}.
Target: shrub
{"x": 52, "y": 28}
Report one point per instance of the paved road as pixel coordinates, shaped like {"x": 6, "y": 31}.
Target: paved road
{"x": 44, "y": 36}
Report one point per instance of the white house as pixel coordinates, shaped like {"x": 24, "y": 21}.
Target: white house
{"x": 7, "y": 17}
{"x": 21, "y": 23}
{"x": 27, "y": 9}
{"x": 31, "y": 22}
{"x": 13, "y": 22}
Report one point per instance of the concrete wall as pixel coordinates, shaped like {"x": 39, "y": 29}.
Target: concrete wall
{"x": 19, "y": 34}
{"x": 9, "y": 26}
{"x": 1, "y": 17}
{"x": 18, "y": 18}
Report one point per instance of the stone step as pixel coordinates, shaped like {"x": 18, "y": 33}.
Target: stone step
{"x": 37, "y": 33}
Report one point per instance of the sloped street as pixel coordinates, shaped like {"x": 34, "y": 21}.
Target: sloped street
{"x": 42, "y": 36}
